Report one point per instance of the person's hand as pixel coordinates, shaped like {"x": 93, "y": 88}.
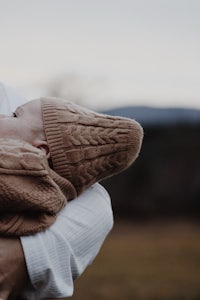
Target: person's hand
{"x": 13, "y": 272}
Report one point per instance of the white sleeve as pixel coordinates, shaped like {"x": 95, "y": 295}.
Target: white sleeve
{"x": 10, "y": 99}
{"x": 58, "y": 255}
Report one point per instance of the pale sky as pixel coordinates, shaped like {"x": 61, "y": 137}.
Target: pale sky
{"x": 139, "y": 52}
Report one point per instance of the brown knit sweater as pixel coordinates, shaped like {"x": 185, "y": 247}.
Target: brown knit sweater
{"x": 30, "y": 197}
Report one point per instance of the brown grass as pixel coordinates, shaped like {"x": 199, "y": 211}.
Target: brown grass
{"x": 145, "y": 262}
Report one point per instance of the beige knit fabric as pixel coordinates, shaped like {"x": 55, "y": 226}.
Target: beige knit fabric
{"x": 86, "y": 146}
{"x": 29, "y": 195}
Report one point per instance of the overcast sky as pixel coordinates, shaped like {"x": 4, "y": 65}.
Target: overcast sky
{"x": 144, "y": 52}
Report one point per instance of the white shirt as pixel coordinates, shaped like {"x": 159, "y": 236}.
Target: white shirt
{"x": 58, "y": 255}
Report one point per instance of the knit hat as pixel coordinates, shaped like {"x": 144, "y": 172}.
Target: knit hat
{"x": 86, "y": 146}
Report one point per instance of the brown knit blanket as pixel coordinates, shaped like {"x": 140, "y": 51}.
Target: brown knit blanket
{"x": 30, "y": 196}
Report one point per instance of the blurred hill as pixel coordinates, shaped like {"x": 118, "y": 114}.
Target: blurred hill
{"x": 157, "y": 116}
{"x": 165, "y": 179}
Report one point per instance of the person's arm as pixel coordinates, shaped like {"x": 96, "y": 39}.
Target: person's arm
{"x": 62, "y": 252}
{"x": 13, "y": 272}
{"x": 57, "y": 256}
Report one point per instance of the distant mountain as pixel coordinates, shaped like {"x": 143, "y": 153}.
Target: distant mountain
{"x": 157, "y": 116}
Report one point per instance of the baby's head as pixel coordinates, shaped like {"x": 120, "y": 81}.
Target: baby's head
{"x": 84, "y": 146}
{"x": 25, "y": 124}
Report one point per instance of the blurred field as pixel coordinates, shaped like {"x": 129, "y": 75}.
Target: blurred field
{"x": 156, "y": 261}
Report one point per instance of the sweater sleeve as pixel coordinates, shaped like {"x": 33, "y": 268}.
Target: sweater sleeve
{"x": 29, "y": 197}
{"x": 60, "y": 254}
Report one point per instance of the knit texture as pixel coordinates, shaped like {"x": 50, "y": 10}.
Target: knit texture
{"x": 86, "y": 146}
{"x": 30, "y": 198}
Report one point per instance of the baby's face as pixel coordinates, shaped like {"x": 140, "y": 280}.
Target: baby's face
{"x": 25, "y": 124}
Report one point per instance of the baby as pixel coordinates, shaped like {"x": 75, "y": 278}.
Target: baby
{"x": 51, "y": 150}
